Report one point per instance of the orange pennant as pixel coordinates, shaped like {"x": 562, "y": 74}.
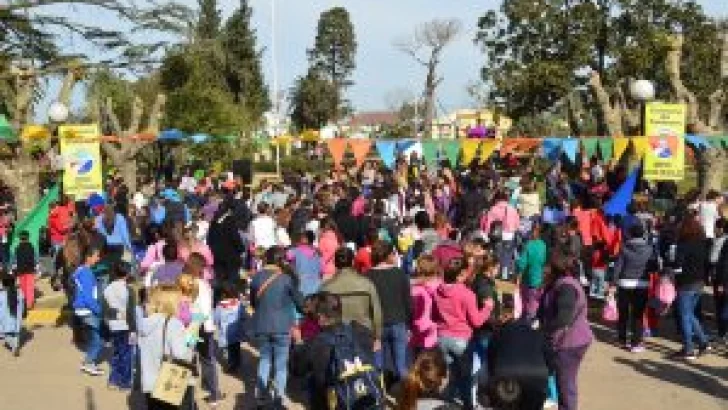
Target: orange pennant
{"x": 337, "y": 148}
{"x": 360, "y": 148}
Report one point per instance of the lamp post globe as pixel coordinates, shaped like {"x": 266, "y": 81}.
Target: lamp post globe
{"x": 58, "y": 112}
{"x": 642, "y": 90}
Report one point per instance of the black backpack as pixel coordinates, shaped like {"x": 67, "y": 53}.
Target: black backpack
{"x": 174, "y": 212}
{"x": 352, "y": 380}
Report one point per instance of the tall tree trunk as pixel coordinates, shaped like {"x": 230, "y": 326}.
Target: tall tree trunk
{"x": 711, "y": 167}
{"x": 611, "y": 113}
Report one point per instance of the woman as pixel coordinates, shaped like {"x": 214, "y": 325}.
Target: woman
{"x": 530, "y": 266}
{"x": 113, "y": 226}
{"x": 631, "y": 278}
{"x": 423, "y": 386}
{"x": 563, "y": 315}
{"x": 424, "y": 285}
{"x": 188, "y": 244}
{"x": 691, "y": 255}
{"x": 329, "y": 242}
{"x": 161, "y": 333}
{"x": 273, "y": 295}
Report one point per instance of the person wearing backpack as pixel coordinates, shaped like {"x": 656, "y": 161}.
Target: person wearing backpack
{"x": 274, "y": 298}
{"x": 174, "y": 210}
{"x": 337, "y": 347}
{"x": 500, "y": 224}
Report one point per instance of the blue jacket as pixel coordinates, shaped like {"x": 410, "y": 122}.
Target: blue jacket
{"x": 10, "y": 324}
{"x": 157, "y": 214}
{"x": 307, "y": 267}
{"x": 119, "y": 235}
{"x": 86, "y": 296}
{"x": 275, "y": 308}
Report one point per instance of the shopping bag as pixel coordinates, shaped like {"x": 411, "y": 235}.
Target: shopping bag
{"x": 172, "y": 383}
{"x": 609, "y": 311}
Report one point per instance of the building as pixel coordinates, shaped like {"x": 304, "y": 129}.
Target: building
{"x": 459, "y": 122}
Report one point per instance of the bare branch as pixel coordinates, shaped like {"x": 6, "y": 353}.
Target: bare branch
{"x": 69, "y": 81}
{"x": 113, "y": 119}
{"x": 155, "y": 115}
{"x": 137, "y": 110}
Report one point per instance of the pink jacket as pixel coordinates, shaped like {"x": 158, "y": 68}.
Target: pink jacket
{"x": 358, "y": 206}
{"x": 328, "y": 244}
{"x": 458, "y": 311}
{"x": 153, "y": 255}
{"x": 501, "y": 212}
{"x": 424, "y": 330}
{"x": 183, "y": 253}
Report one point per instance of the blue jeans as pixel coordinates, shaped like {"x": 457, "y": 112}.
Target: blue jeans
{"x": 394, "y": 345}
{"x": 460, "y": 380}
{"x": 480, "y": 364}
{"x": 689, "y": 324}
{"x": 274, "y": 350}
{"x": 92, "y": 325}
{"x": 122, "y": 360}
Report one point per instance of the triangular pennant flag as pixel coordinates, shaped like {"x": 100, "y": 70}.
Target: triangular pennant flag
{"x": 697, "y": 141}
{"x": 404, "y": 145}
{"x": 717, "y": 142}
{"x": 508, "y": 145}
{"x": 606, "y": 148}
{"x": 35, "y": 220}
{"x": 487, "y": 148}
{"x": 452, "y": 151}
{"x": 360, "y": 148}
{"x": 337, "y": 148}
{"x": 429, "y": 152}
{"x": 590, "y": 147}
{"x": 551, "y": 148}
{"x": 620, "y": 145}
{"x": 470, "y": 148}
{"x": 640, "y": 145}
{"x": 617, "y": 205}
{"x": 7, "y": 132}
{"x": 528, "y": 144}
{"x": 387, "y": 152}
{"x": 571, "y": 148}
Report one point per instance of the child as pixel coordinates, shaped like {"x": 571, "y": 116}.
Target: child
{"x": 87, "y": 308}
{"x": 599, "y": 261}
{"x": 11, "y": 313}
{"x": 25, "y": 267}
{"x": 120, "y": 317}
{"x": 229, "y": 317}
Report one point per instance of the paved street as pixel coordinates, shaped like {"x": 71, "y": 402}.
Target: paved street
{"x": 47, "y": 376}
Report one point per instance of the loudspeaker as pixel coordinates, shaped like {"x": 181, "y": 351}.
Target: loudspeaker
{"x": 244, "y": 169}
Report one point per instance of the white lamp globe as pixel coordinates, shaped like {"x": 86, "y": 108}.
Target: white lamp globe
{"x": 642, "y": 90}
{"x": 58, "y": 112}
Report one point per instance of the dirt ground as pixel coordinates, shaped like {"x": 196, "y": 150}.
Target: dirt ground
{"x": 47, "y": 376}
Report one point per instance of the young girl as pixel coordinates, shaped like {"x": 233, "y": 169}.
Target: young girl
{"x": 120, "y": 316}
{"x": 11, "y": 313}
{"x": 422, "y": 389}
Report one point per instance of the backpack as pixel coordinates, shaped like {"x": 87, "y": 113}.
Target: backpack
{"x": 352, "y": 380}
{"x": 175, "y": 212}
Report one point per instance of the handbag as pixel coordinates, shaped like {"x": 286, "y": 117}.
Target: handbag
{"x": 609, "y": 311}
{"x": 174, "y": 376}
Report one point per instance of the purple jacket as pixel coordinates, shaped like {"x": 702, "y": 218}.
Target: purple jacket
{"x": 578, "y": 334}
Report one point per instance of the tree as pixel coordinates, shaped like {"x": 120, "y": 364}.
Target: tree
{"x": 313, "y": 99}
{"x": 242, "y": 63}
{"x": 209, "y": 21}
{"x": 426, "y": 47}
{"x": 334, "y": 53}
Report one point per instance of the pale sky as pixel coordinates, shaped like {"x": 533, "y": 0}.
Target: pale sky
{"x": 381, "y": 69}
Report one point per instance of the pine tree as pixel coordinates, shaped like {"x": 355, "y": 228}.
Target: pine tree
{"x": 209, "y": 22}
{"x": 243, "y": 64}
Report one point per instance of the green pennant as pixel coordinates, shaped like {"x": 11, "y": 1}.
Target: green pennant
{"x": 452, "y": 151}
{"x": 429, "y": 152}
{"x": 7, "y": 132}
{"x": 719, "y": 142}
{"x": 590, "y": 147}
{"x": 606, "y": 147}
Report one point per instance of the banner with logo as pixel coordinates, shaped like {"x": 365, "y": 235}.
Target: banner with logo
{"x": 664, "y": 159}
{"x": 662, "y": 120}
{"x": 81, "y": 153}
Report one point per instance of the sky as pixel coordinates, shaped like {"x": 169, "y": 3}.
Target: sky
{"x": 381, "y": 69}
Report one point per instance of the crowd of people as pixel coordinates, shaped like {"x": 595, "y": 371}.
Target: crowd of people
{"x": 412, "y": 288}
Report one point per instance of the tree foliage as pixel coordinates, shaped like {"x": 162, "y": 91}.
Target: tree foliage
{"x": 313, "y": 99}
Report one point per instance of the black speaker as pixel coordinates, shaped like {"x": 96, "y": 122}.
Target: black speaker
{"x": 244, "y": 169}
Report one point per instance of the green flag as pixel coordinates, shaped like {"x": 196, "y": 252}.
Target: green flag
{"x": 606, "y": 147}
{"x": 429, "y": 152}
{"x": 590, "y": 146}
{"x": 36, "y": 219}
{"x": 452, "y": 151}
{"x": 7, "y": 132}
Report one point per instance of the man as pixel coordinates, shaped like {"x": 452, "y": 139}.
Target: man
{"x": 359, "y": 297}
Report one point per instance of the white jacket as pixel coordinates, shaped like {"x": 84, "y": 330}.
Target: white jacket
{"x": 263, "y": 232}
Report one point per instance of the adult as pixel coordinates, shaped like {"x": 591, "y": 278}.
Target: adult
{"x": 262, "y": 230}
{"x": 691, "y": 256}
{"x": 113, "y": 226}
{"x": 393, "y": 288}
{"x": 275, "y": 299}
{"x": 359, "y": 297}
{"x": 563, "y": 316}
{"x": 631, "y": 277}
{"x": 226, "y": 245}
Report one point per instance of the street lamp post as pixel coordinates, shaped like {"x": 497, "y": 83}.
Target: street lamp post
{"x": 643, "y": 91}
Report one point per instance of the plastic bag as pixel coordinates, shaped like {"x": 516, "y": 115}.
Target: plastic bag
{"x": 609, "y": 311}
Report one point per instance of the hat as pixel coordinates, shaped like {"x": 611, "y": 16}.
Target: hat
{"x": 170, "y": 195}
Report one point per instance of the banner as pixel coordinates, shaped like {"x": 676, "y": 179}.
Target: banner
{"x": 664, "y": 120}
{"x": 337, "y": 148}
{"x": 470, "y": 148}
{"x": 360, "y": 148}
{"x": 665, "y": 159}
{"x": 81, "y": 152}
{"x": 387, "y": 152}
{"x": 551, "y": 148}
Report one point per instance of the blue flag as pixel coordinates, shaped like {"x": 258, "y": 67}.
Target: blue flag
{"x": 617, "y": 205}
{"x": 387, "y": 151}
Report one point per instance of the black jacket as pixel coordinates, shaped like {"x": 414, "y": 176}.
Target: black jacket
{"x": 225, "y": 242}
{"x": 25, "y": 258}
{"x": 393, "y": 288}
{"x": 692, "y": 258}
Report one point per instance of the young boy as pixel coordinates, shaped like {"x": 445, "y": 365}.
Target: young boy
{"x": 87, "y": 308}
{"x": 120, "y": 317}
{"x": 229, "y": 316}
{"x": 25, "y": 268}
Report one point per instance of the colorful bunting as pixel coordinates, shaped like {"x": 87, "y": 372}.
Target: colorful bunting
{"x": 551, "y": 148}
{"x": 590, "y": 147}
{"x": 452, "y": 151}
{"x": 337, "y": 148}
{"x": 640, "y": 145}
{"x": 387, "y": 152}
{"x": 606, "y": 147}
{"x": 487, "y": 147}
{"x": 508, "y": 146}
{"x": 571, "y": 148}
{"x": 7, "y": 132}
{"x": 620, "y": 145}
{"x": 470, "y": 149}
{"x": 697, "y": 141}
{"x": 360, "y": 148}
{"x": 429, "y": 152}
{"x": 35, "y": 132}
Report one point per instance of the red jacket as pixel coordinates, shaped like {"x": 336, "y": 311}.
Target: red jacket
{"x": 59, "y": 222}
